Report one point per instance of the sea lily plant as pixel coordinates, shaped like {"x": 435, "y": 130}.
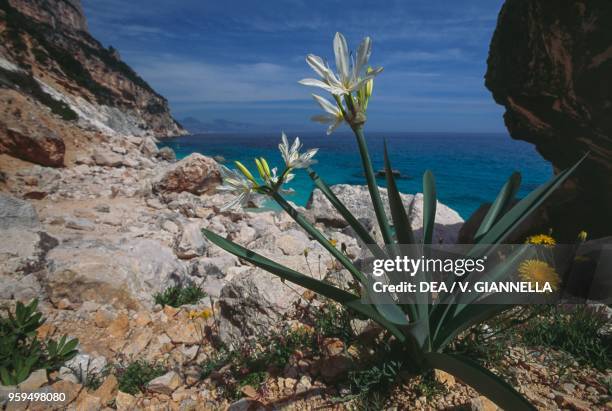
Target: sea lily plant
{"x": 426, "y": 327}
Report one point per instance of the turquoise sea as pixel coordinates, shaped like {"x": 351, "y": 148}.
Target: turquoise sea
{"x": 469, "y": 168}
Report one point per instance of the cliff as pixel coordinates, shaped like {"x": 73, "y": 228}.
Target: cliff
{"x": 54, "y": 71}
{"x": 550, "y": 66}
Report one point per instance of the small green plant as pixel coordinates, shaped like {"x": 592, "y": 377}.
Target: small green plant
{"x": 375, "y": 377}
{"x": 333, "y": 320}
{"x": 429, "y": 387}
{"x": 488, "y": 342}
{"x": 576, "y": 330}
{"x": 217, "y": 360}
{"x": 91, "y": 379}
{"x": 178, "y": 295}
{"x": 254, "y": 379}
{"x": 279, "y": 348}
{"x": 21, "y": 352}
{"x": 134, "y": 377}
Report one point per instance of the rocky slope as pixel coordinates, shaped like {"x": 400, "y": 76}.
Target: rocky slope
{"x": 60, "y": 88}
{"x": 95, "y": 241}
{"x": 550, "y": 65}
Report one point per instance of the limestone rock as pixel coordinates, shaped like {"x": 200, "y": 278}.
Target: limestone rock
{"x": 24, "y": 251}
{"x": 120, "y": 273}
{"x": 181, "y": 333}
{"x": 482, "y": 403}
{"x": 80, "y": 224}
{"x": 70, "y": 389}
{"x": 107, "y": 158}
{"x": 166, "y": 384}
{"x": 357, "y": 200}
{"x": 251, "y": 303}
{"x": 166, "y": 153}
{"x": 148, "y": 147}
{"x": 85, "y": 365}
{"x": 191, "y": 242}
{"x": 119, "y": 326}
{"x": 195, "y": 173}
{"x": 444, "y": 378}
{"x": 88, "y": 402}
{"x": 17, "y": 213}
{"x": 124, "y": 401}
{"x": 213, "y": 266}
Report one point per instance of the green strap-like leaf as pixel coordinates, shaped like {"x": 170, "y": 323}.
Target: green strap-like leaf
{"x": 501, "y": 204}
{"x": 429, "y": 206}
{"x": 471, "y": 315}
{"x": 5, "y": 377}
{"x": 443, "y": 313}
{"x": 69, "y": 346}
{"x": 520, "y": 211}
{"x": 385, "y": 229}
{"x": 481, "y": 379}
{"x": 317, "y": 235}
{"x": 360, "y": 230}
{"x": 345, "y": 298}
{"x": 401, "y": 222}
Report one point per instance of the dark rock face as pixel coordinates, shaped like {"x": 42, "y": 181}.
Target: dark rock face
{"x": 38, "y": 145}
{"x": 550, "y": 65}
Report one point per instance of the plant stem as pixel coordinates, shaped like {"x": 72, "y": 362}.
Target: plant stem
{"x": 372, "y": 186}
{"x": 317, "y": 235}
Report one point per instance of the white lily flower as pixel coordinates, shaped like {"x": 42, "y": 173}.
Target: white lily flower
{"x": 274, "y": 177}
{"x": 291, "y": 155}
{"x": 288, "y": 177}
{"x": 333, "y": 115}
{"x": 351, "y": 75}
{"x": 235, "y": 183}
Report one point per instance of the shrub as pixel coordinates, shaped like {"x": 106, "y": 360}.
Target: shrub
{"x": 576, "y": 330}
{"x": 135, "y": 376}
{"x": 178, "y": 295}
{"x": 333, "y": 320}
{"x": 21, "y": 352}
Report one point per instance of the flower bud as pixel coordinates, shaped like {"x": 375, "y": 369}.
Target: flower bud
{"x": 245, "y": 171}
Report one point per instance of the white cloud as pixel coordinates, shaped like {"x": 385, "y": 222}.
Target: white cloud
{"x": 420, "y": 56}
{"x": 184, "y": 80}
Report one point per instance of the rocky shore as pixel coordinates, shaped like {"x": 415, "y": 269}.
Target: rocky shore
{"x": 96, "y": 241}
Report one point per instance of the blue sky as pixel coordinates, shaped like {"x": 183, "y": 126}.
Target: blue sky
{"x": 241, "y": 60}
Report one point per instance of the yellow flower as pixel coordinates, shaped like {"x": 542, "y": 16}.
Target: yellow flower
{"x": 539, "y": 272}
{"x": 205, "y": 314}
{"x": 541, "y": 239}
{"x": 582, "y": 236}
